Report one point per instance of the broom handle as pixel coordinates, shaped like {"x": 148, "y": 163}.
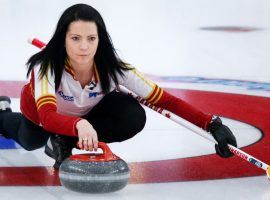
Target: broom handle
{"x": 197, "y": 130}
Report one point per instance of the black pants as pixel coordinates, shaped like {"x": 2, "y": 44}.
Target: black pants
{"x": 117, "y": 117}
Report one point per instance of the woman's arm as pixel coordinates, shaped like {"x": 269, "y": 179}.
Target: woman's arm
{"x": 151, "y": 92}
{"x": 44, "y": 94}
{"x": 155, "y": 95}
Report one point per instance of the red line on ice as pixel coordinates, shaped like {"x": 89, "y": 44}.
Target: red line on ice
{"x": 248, "y": 109}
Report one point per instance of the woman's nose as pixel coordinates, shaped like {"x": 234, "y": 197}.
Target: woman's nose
{"x": 83, "y": 46}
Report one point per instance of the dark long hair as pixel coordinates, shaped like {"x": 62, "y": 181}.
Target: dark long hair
{"x": 54, "y": 54}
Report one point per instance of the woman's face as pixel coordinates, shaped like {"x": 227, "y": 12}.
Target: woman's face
{"x": 81, "y": 42}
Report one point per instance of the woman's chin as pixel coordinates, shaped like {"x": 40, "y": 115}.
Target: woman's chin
{"x": 83, "y": 61}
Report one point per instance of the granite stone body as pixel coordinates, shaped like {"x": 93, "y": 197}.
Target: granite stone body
{"x": 94, "y": 176}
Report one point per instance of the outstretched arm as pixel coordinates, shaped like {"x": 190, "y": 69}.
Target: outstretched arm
{"x": 155, "y": 95}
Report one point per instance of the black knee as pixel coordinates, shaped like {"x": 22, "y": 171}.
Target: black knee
{"x": 132, "y": 122}
{"x": 31, "y": 145}
{"x": 31, "y": 136}
{"x": 117, "y": 117}
{"x": 138, "y": 119}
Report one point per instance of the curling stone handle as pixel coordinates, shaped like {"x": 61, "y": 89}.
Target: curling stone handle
{"x": 106, "y": 155}
{"x": 105, "y": 148}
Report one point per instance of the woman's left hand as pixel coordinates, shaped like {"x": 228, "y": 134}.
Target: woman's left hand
{"x": 224, "y": 136}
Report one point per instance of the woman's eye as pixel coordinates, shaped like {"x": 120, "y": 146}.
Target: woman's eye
{"x": 91, "y": 38}
{"x": 75, "y": 38}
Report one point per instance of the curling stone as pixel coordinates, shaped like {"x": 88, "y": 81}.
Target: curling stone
{"x": 94, "y": 173}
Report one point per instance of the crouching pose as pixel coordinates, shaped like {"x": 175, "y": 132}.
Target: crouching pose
{"x": 72, "y": 96}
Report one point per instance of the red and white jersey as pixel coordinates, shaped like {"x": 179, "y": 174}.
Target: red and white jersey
{"x": 59, "y": 111}
{"x": 72, "y": 99}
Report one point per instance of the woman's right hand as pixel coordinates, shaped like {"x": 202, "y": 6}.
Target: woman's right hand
{"x": 88, "y": 139}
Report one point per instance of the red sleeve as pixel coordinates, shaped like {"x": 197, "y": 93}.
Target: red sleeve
{"x": 55, "y": 122}
{"x": 45, "y": 99}
{"x": 181, "y": 108}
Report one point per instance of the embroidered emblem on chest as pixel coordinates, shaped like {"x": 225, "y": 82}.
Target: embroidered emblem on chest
{"x": 94, "y": 94}
{"x": 65, "y": 97}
